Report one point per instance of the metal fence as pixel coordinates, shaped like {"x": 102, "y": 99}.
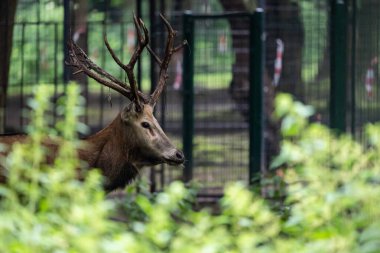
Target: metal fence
{"x": 363, "y": 75}
{"x": 330, "y": 51}
{"x": 216, "y": 135}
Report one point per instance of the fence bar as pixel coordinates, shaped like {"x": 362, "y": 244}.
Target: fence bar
{"x": 338, "y": 91}
{"x": 223, "y": 15}
{"x": 188, "y": 96}
{"x": 103, "y": 65}
{"x": 66, "y": 36}
{"x": 55, "y": 68}
{"x": 164, "y": 93}
{"x": 353, "y": 64}
{"x": 153, "y": 79}
{"x": 139, "y": 69}
{"x": 22, "y": 103}
{"x": 153, "y": 44}
{"x": 256, "y": 94}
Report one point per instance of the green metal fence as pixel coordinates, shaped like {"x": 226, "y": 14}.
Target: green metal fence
{"x": 220, "y": 143}
{"x": 338, "y": 64}
{"x": 363, "y": 77}
{"x": 329, "y": 61}
{"x": 321, "y": 46}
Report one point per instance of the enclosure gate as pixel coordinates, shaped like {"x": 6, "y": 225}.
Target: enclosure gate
{"x": 222, "y": 143}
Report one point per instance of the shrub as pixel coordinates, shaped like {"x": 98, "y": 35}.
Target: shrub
{"x": 333, "y": 186}
{"x": 43, "y": 207}
{"x": 331, "y": 205}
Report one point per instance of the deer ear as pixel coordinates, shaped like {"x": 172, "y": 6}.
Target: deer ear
{"x": 129, "y": 112}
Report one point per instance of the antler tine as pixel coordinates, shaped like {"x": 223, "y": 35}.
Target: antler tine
{"x": 79, "y": 59}
{"x": 164, "y": 63}
{"x": 91, "y": 65}
{"x": 155, "y": 56}
{"x": 85, "y": 65}
{"x": 142, "y": 41}
{"x": 110, "y": 50}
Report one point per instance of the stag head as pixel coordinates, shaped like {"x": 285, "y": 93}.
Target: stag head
{"x": 139, "y": 128}
{"x": 149, "y": 140}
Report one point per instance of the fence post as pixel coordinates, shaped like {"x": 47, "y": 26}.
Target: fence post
{"x": 338, "y": 75}
{"x": 188, "y": 95}
{"x": 66, "y": 37}
{"x": 256, "y": 95}
{"x": 139, "y": 65}
{"x": 352, "y": 67}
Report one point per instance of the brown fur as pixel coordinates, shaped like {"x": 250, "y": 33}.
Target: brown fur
{"x": 121, "y": 149}
{"x": 106, "y": 151}
{"x": 134, "y": 139}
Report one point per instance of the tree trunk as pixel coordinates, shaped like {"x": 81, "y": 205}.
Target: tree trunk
{"x": 324, "y": 64}
{"x": 367, "y": 39}
{"x": 7, "y": 15}
{"x": 284, "y": 21}
{"x": 240, "y": 82}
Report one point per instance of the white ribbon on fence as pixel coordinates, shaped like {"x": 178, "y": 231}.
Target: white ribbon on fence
{"x": 278, "y": 62}
{"x": 370, "y": 77}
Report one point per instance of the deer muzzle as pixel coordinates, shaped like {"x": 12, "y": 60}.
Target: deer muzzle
{"x": 175, "y": 158}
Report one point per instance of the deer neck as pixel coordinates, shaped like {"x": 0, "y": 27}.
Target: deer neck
{"x": 108, "y": 150}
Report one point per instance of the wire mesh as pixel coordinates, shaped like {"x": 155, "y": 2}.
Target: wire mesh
{"x": 364, "y": 67}
{"x": 303, "y": 29}
{"x": 221, "y": 142}
{"x": 221, "y": 71}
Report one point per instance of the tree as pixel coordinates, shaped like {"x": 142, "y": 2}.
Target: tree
{"x": 367, "y": 38}
{"x": 291, "y": 76}
{"x": 284, "y": 21}
{"x": 7, "y": 15}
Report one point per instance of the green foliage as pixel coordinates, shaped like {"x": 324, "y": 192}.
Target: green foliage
{"x": 333, "y": 187}
{"x": 294, "y": 114}
{"x": 43, "y": 207}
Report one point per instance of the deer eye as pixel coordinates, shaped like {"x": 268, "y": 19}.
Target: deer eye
{"x": 145, "y": 124}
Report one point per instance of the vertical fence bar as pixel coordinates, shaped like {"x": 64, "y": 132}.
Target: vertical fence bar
{"x": 188, "y": 95}
{"x": 86, "y": 81}
{"x": 139, "y": 69}
{"x": 153, "y": 79}
{"x": 122, "y": 73}
{"x": 55, "y": 68}
{"x": 22, "y": 103}
{"x": 153, "y": 44}
{"x": 352, "y": 69}
{"x": 164, "y": 93}
{"x": 38, "y": 60}
{"x": 66, "y": 36}
{"x": 256, "y": 94}
{"x": 103, "y": 64}
{"x": 338, "y": 91}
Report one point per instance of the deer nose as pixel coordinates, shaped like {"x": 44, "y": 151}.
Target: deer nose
{"x": 179, "y": 155}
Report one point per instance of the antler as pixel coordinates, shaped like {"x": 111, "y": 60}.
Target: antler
{"x": 164, "y": 63}
{"x": 79, "y": 60}
{"x": 141, "y": 44}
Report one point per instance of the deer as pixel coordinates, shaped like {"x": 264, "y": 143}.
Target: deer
{"x": 134, "y": 139}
